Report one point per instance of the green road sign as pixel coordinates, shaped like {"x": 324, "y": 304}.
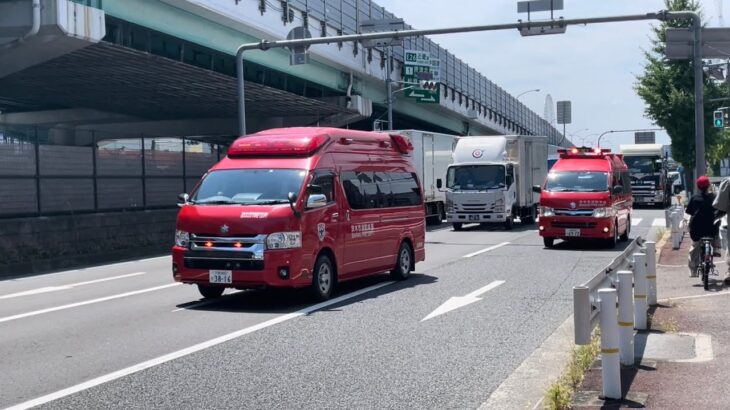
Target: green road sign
{"x": 420, "y": 66}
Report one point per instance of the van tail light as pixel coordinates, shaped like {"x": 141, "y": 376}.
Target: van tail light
{"x": 402, "y": 143}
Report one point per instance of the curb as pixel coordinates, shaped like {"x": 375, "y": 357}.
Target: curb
{"x": 660, "y": 245}
{"x": 525, "y": 388}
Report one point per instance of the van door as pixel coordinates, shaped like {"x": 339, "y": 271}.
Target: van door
{"x": 362, "y": 229}
{"x": 321, "y": 224}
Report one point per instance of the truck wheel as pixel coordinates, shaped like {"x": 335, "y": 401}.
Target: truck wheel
{"x": 457, "y": 226}
{"x": 530, "y": 219}
{"x": 509, "y": 223}
{"x": 323, "y": 278}
{"x": 211, "y": 292}
{"x": 548, "y": 242}
{"x": 404, "y": 262}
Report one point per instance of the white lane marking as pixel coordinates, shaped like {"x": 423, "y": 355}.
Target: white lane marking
{"x": 47, "y": 275}
{"x": 637, "y": 221}
{"x": 721, "y": 293}
{"x": 87, "y": 302}
{"x": 48, "y": 289}
{"x": 189, "y": 350}
{"x": 658, "y": 222}
{"x": 491, "y": 248}
{"x": 205, "y": 302}
{"x": 461, "y": 301}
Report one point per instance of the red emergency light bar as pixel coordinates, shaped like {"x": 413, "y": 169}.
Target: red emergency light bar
{"x": 584, "y": 152}
{"x": 277, "y": 145}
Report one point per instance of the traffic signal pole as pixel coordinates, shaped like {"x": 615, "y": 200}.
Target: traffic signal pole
{"x": 663, "y": 15}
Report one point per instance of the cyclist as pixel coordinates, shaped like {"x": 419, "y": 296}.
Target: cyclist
{"x": 702, "y": 222}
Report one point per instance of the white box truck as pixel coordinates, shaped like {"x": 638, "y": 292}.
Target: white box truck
{"x": 492, "y": 177}
{"x": 432, "y": 156}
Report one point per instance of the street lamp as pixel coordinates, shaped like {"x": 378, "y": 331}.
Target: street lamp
{"x": 615, "y": 131}
{"x": 528, "y": 91}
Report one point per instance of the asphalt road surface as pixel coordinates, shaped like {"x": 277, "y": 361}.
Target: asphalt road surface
{"x": 127, "y": 336}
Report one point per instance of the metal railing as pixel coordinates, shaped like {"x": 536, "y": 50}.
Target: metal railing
{"x": 618, "y": 298}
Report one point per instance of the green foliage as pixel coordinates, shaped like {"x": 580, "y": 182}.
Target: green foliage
{"x": 667, "y": 88}
{"x": 560, "y": 394}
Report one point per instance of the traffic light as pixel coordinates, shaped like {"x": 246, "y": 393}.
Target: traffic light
{"x": 429, "y": 85}
{"x": 719, "y": 117}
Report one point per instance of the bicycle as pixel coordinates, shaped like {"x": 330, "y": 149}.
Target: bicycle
{"x": 707, "y": 264}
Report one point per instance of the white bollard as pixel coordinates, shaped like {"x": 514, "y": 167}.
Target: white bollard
{"x": 676, "y": 232}
{"x": 626, "y": 316}
{"x": 668, "y": 217}
{"x": 610, "y": 366}
{"x": 640, "y": 308}
{"x": 651, "y": 290}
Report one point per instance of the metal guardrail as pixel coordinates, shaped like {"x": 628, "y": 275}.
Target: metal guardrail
{"x": 618, "y": 297}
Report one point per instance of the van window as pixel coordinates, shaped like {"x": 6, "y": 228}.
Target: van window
{"x": 326, "y": 182}
{"x": 370, "y": 190}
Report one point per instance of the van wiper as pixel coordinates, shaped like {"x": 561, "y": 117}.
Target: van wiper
{"x": 217, "y": 202}
{"x": 270, "y": 202}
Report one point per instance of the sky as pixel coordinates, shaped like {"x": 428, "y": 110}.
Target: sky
{"x": 593, "y": 66}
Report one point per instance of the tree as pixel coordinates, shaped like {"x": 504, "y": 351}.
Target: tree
{"x": 667, "y": 88}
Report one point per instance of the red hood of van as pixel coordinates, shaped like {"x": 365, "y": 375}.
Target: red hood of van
{"x": 575, "y": 200}
{"x": 238, "y": 220}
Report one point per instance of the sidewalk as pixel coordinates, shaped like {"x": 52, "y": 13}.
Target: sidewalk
{"x": 684, "y": 360}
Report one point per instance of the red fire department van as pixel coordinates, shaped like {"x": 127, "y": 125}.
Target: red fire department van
{"x": 587, "y": 194}
{"x": 302, "y": 207}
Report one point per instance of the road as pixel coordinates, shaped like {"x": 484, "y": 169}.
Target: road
{"x": 126, "y": 336}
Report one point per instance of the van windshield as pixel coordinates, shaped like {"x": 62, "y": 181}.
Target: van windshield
{"x": 577, "y": 181}
{"x": 475, "y": 177}
{"x": 248, "y": 186}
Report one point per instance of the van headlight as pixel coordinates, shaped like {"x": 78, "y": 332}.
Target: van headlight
{"x": 284, "y": 240}
{"x": 546, "y": 211}
{"x": 602, "y": 212}
{"x": 182, "y": 238}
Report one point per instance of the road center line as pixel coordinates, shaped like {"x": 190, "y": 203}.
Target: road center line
{"x": 88, "y": 302}
{"x": 190, "y": 350}
{"x": 491, "y": 248}
{"x": 48, "y": 289}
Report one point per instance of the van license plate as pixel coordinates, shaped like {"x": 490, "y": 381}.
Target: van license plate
{"x": 221, "y": 276}
{"x": 473, "y": 217}
{"x": 572, "y": 233}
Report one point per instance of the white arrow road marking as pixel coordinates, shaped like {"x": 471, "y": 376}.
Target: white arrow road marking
{"x": 636, "y": 222}
{"x": 48, "y": 289}
{"x": 491, "y": 248}
{"x": 461, "y": 301}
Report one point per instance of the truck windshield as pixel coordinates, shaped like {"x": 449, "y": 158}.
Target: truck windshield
{"x": 475, "y": 177}
{"x": 577, "y": 181}
{"x": 643, "y": 164}
{"x": 248, "y": 186}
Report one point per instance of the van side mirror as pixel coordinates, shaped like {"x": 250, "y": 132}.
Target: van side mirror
{"x": 618, "y": 190}
{"x": 537, "y": 189}
{"x": 183, "y": 199}
{"x": 316, "y": 201}
{"x": 292, "y": 197}
{"x": 439, "y": 183}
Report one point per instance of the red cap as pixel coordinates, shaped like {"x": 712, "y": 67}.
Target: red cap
{"x": 703, "y": 182}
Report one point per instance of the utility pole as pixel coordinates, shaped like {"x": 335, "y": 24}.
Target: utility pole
{"x": 389, "y": 85}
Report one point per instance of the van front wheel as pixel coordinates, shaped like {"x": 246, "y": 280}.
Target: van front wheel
{"x": 404, "y": 262}
{"x": 211, "y": 292}
{"x": 323, "y": 278}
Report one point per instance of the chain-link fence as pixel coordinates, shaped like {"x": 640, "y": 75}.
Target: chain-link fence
{"x": 43, "y": 171}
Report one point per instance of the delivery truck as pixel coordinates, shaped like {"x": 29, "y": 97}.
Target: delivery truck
{"x": 491, "y": 179}
{"x": 432, "y": 155}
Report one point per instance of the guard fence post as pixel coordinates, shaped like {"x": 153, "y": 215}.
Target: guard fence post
{"x": 610, "y": 366}
{"x": 651, "y": 294}
{"x": 640, "y": 308}
{"x": 626, "y": 316}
